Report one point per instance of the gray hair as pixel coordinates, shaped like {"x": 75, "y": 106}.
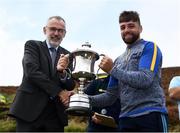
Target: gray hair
{"x": 56, "y": 17}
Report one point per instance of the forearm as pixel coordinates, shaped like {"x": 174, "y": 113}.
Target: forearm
{"x": 104, "y": 99}
{"x": 136, "y": 79}
{"x": 174, "y": 93}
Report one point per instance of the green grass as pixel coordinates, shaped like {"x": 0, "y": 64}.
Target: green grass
{"x": 75, "y": 126}
{"x": 7, "y": 125}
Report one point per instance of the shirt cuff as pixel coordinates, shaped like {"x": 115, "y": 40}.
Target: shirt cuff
{"x": 65, "y": 75}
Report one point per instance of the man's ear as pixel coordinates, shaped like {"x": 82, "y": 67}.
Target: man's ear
{"x": 64, "y": 34}
{"x": 44, "y": 30}
{"x": 141, "y": 28}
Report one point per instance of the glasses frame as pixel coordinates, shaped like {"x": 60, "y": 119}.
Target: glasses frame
{"x": 54, "y": 29}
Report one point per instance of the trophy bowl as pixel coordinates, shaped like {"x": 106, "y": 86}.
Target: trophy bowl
{"x": 83, "y": 62}
{"x": 83, "y": 71}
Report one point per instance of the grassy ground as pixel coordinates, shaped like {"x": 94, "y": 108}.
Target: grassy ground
{"x": 9, "y": 125}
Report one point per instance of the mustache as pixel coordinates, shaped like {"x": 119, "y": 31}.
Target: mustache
{"x": 56, "y": 37}
{"x": 127, "y": 33}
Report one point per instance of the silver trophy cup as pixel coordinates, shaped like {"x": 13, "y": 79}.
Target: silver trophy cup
{"x": 83, "y": 71}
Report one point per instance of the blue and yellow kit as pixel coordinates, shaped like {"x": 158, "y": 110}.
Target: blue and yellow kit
{"x": 136, "y": 75}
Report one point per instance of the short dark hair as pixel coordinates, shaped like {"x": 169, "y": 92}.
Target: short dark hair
{"x": 127, "y": 16}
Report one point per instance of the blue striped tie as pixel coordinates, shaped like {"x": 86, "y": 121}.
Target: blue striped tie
{"x": 53, "y": 56}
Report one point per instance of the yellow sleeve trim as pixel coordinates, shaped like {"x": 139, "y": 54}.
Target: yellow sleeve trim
{"x": 154, "y": 58}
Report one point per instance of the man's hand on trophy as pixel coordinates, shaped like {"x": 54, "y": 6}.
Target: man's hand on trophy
{"x": 63, "y": 62}
{"x": 65, "y": 96}
{"x": 106, "y": 64}
{"x": 95, "y": 119}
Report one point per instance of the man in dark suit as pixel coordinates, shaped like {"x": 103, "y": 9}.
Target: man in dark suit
{"x": 44, "y": 93}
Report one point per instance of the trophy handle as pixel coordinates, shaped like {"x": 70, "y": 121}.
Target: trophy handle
{"x": 99, "y": 67}
{"x": 86, "y": 45}
{"x": 71, "y": 58}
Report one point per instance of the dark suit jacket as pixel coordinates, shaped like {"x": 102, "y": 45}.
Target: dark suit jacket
{"x": 39, "y": 83}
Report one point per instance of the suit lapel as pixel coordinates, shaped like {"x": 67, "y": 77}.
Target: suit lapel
{"x": 46, "y": 51}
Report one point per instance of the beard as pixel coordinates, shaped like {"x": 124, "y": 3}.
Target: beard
{"x": 55, "y": 41}
{"x": 134, "y": 37}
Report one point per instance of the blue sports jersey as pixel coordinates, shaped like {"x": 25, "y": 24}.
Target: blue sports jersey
{"x": 151, "y": 57}
{"x": 138, "y": 71}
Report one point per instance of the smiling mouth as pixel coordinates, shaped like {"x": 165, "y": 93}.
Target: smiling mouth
{"x": 56, "y": 38}
{"x": 128, "y": 36}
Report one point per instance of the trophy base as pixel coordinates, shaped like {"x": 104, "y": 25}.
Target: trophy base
{"x": 79, "y": 111}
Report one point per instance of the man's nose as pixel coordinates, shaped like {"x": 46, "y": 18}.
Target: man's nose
{"x": 126, "y": 29}
{"x": 56, "y": 32}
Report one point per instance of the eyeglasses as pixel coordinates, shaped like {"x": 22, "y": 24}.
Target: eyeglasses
{"x": 54, "y": 29}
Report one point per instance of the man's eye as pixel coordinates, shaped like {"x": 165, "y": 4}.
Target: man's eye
{"x": 131, "y": 26}
{"x": 53, "y": 29}
{"x": 122, "y": 27}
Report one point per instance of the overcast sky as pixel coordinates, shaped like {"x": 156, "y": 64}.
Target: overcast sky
{"x": 95, "y": 21}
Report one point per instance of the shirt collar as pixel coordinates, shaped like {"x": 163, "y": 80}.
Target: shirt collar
{"x": 135, "y": 43}
{"x": 49, "y": 45}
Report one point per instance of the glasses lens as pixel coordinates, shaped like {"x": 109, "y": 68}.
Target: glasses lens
{"x": 53, "y": 29}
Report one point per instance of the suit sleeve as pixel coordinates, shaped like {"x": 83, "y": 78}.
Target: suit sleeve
{"x": 92, "y": 88}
